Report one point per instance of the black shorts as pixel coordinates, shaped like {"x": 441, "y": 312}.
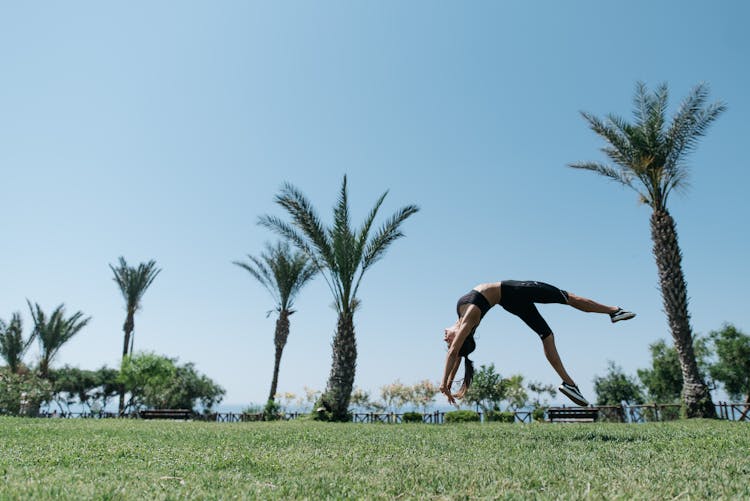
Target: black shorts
{"x": 518, "y": 298}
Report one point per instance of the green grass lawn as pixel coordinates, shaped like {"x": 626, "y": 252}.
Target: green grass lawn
{"x": 128, "y": 459}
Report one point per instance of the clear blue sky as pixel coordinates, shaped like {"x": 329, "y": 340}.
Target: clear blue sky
{"x": 162, "y": 130}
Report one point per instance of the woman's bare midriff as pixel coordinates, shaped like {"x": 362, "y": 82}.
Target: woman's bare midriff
{"x": 490, "y": 291}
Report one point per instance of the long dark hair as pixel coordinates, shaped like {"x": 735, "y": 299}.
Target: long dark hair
{"x": 469, "y": 346}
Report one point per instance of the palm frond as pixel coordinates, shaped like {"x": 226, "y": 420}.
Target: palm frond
{"x": 56, "y": 330}
{"x": 615, "y": 132}
{"x": 618, "y": 175}
{"x": 691, "y": 122}
{"x": 133, "y": 281}
{"x": 388, "y": 233}
{"x": 301, "y": 271}
{"x": 288, "y": 232}
{"x": 260, "y": 272}
{"x": 640, "y": 103}
{"x": 12, "y": 345}
{"x": 345, "y": 250}
{"x": 364, "y": 231}
{"x": 656, "y": 114}
{"x": 305, "y": 218}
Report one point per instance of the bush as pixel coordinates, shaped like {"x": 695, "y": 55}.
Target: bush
{"x": 29, "y": 387}
{"x": 157, "y": 382}
{"x": 412, "y": 417}
{"x": 538, "y": 414}
{"x": 500, "y": 417}
{"x": 461, "y": 417}
{"x": 272, "y": 411}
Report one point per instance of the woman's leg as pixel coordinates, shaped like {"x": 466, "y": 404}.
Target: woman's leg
{"x": 550, "y": 351}
{"x": 589, "y": 305}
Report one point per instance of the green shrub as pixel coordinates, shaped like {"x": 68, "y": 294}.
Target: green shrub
{"x": 538, "y": 414}
{"x": 29, "y": 388}
{"x": 272, "y": 411}
{"x": 412, "y": 417}
{"x": 461, "y": 417}
{"x": 500, "y": 417}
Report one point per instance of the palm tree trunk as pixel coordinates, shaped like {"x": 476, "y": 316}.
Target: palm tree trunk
{"x": 280, "y": 338}
{"x": 696, "y": 397}
{"x": 44, "y": 366}
{"x": 341, "y": 381}
{"x": 128, "y": 329}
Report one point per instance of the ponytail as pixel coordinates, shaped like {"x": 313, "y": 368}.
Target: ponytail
{"x": 469, "y": 346}
{"x": 468, "y": 377}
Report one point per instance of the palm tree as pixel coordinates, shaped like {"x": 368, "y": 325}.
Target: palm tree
{"x": 649, "y": 157}
{"x": 54, "y": 331}
{"x": 343, "y": 256}
{"x": 133, "y": 282}
{"x": 283, "y": 274}
{"x": 12, "y": 344}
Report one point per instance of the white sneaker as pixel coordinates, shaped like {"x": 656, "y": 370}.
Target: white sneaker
{"x": 573, "y": 393}
{"x": 621, "y": 314}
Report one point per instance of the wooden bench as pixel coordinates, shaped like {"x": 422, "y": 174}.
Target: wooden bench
{"x": 166, "y": 414}
{"x": 572, "y": 414}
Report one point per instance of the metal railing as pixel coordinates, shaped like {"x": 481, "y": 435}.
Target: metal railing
{"x": 731, "y": 411}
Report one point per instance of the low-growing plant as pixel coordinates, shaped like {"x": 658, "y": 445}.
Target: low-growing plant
{"x": 500, "y": 417}
{"x": 538, "y": 414}
{"x": 462, "y": 416}
{"x": 272, "y": 411}
{"x": 252, "y": 409}
{"x": 412, "y": 417}
{"x": 22, "y": 394}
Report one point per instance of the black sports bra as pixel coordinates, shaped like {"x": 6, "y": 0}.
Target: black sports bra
{"x": 477, "y": 299}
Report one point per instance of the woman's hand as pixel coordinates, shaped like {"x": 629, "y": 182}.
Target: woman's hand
{"x": 445, "y": 390}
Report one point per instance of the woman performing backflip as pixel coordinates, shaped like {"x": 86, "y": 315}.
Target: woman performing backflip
{"x": 518, "y": 298}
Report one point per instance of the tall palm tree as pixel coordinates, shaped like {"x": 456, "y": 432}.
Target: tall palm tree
{"x": 649, "y": 157}
{"x": 54, "y": 331}
{"x": 12, "y": 344}
{"x": 283, "y": 274}
{"x": 133, "y": 282}
{"x": 343, "y": 256}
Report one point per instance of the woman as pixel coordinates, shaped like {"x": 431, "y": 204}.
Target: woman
{"x": 517, "y": 298}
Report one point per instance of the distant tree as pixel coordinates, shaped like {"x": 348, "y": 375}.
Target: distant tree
{"x": 12, "y": 345}
{"x": 360, "y": 399}
{"x": 54, "y": 331}
{"x": 306, "y": 401}
{"x": 146, "y": 376}
{"x": 515, "y": 393}
{"x": 616, "y": 387}
{"x": 732, "y": 367}
{"x": 343, "y": 255}
{"x": 423, "y": 394}
{"x": 282, "y": 273}
{"x": 71, "y": 385}
{"x": 158, "y": 382}
{"x": 22, "y": 393}
{"x": 190, "y": 390}
{"x": 487, "y": 389}
{"x": 663, "y": 380}
{"x": 108, "y": 387}
{"x": 649, "y": 157}
{"x": 133, "y": 282}
{"x": 394, "y": 395}
{"x": 541, "y": 389}
{"x": 91, "y": 389}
